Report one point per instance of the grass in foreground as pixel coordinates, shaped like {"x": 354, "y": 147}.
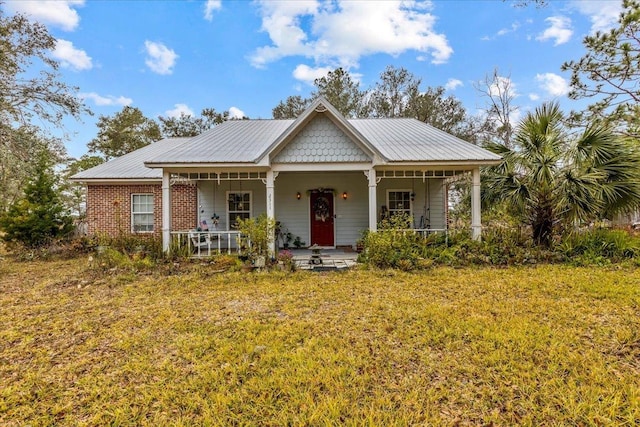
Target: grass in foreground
{"x": 529, "y": 346}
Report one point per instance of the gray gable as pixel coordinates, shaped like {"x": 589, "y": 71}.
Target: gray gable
{"x": 321, "y": 141}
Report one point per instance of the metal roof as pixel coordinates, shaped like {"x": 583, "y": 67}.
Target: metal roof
{"x": 234, "y": 141}
{"x": 403, "y": 140}
{"x": 131, "y": 165}
{"x": 398, "y": 140}
{"x": 248, "y": 141}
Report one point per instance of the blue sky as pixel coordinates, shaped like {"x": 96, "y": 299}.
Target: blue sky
{"x": 167, "y": 57}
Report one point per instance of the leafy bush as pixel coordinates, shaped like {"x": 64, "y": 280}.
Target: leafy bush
{"x": 599, "y": 246}
{"x": 397, "y": 248}
{"x": 108, "y": 258}
{"x": 128, "y": 252}
{"x": 256, "y": 233}
{"x": 394, "y": 245}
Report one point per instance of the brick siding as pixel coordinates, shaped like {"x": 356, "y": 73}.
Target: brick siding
{"x": 109, "y": 207}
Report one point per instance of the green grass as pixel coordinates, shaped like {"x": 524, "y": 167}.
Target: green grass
{"x": 552, "y": 345}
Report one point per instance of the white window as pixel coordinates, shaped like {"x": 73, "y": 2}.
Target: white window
{"x": 142, "y": 213}
{"x": 399, "y": 202}
{"x": 238, "y": 206}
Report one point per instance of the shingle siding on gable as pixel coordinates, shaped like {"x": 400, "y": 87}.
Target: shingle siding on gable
{"x": 321, "y": 141}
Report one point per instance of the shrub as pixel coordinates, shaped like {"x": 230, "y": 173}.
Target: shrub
{"x": 39, "y": 217}
{"x": 128, "y": 252}
{"x": 256, "y": 233}
{"x": 394, "y": 245}
{"x": 108, "y": 258}
{"x": 598, "y": 247}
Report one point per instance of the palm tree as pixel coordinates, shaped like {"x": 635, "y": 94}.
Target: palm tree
{"x": 551, "y": 178}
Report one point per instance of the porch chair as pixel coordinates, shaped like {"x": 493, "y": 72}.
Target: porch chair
{"x": 199, "y": 240}
{"x": 205, "y": 227}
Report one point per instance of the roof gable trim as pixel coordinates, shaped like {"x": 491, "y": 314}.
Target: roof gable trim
{"x": 319, "y": 106}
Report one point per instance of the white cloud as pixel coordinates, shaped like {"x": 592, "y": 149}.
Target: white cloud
{"x": 502, "y": 85}
{"x": 69, "y": 56}
{"x": 108, "y": 100}
{"x": 160, "y": 59}
{"x": 559, "y": 30}
{"x": 58, "y": 13}
{"x": 211, "y": 6}
{"x": 178, "y": 110}
{"x": 503, "y": 31}
{"x": 515, "y": 26}
{"x": 343, "y": 31}
{"x": 553, "y": 84}
{"x": 452, "y": 84}
{"x": 236, "y": 113}
{"x": 307, "y": 74}
{"x": 534, "y": 96}
{"x": 603, "y": 14}
{"x": 511, "y": 29}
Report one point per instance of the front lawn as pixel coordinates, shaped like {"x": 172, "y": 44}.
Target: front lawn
{"x": 551, "y": 345}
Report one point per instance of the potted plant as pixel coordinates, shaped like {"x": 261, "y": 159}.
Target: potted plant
{"x": 285, "y": 261}
{"x": 298, "y": 243}
{"x": 288, "y": 237}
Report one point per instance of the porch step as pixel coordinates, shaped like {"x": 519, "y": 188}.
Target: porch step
{"x": 327, "y": 264}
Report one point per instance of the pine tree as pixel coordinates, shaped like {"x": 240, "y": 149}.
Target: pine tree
{"x": 39, "y": 216}
{"x": 609, "y": 72}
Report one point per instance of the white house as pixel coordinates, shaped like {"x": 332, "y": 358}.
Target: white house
{"x": 323, "y": 177}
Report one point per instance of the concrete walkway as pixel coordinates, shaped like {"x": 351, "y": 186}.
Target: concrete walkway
{"x": 332, "y": 259}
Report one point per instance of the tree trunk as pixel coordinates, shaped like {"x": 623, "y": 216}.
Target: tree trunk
{"x": 542, "y": 224}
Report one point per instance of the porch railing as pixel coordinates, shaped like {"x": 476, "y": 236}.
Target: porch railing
{"x": 207, "y": 243}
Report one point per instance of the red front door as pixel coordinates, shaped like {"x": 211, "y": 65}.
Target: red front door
{"x": 322, "y": 218}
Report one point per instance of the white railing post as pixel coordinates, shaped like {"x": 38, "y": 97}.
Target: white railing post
{"x": 373, "y": 212}
{"x": 476, "y": 221}
{"x": 270, "y": 184}
{"x": 166, "y": 212}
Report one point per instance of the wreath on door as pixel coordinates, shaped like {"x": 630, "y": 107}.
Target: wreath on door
{"x": 321, "y": 209}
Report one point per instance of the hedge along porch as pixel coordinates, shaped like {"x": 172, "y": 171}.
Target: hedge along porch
{"x": 372, "y": 167}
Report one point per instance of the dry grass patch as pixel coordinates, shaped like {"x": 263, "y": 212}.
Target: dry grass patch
{"x": 528, "y": 346}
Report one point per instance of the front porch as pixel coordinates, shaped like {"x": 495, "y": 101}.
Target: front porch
{"x": 330, "y": 209}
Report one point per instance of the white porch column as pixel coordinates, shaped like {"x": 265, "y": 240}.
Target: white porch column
{"x": 166, "y": 211}
{"x": 271, "y": 211}
{"x": 476, "y": 221}
{"x": 373, "y": 213}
